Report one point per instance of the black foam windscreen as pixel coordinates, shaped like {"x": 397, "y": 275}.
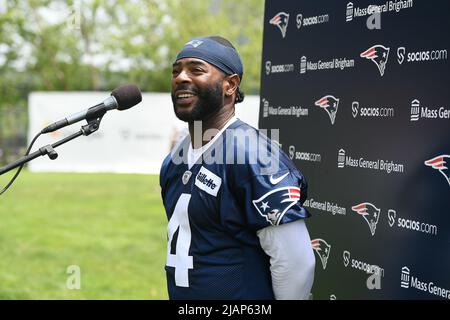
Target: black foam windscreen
{"x": 127, "y": 95}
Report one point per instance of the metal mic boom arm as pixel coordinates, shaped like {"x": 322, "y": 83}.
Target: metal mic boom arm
{"x": 93, "y": 125}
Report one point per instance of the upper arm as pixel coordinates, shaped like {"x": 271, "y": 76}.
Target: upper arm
{"x": 292, "y": 261}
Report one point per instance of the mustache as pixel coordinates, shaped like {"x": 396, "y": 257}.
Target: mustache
{"x": 186, "y": 87}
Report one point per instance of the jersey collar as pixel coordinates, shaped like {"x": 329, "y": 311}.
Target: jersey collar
{"x": 194, "y": 154}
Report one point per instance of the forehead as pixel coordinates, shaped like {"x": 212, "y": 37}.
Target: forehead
{"x": 191, "y": 61}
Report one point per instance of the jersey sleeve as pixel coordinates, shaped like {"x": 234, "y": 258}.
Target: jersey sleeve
{"x": 265, "y": 200}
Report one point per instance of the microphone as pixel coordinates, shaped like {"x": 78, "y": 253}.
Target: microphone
{"x": 122, "y": 98}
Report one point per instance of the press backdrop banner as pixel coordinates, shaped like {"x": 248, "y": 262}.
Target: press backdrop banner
{"x": 361, "y": 93}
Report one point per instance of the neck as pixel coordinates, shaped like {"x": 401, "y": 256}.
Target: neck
{"x": 215, "y": 122}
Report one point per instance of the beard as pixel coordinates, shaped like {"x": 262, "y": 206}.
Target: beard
{"x": 209, "y": 101}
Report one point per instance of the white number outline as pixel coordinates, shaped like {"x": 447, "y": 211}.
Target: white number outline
{"x": 181, "y": 260}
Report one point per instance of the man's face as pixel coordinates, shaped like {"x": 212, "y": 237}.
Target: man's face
{"x": 197, "y": 90}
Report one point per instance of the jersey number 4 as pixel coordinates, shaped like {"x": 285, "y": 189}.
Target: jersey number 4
{"x": 181, "y": 260}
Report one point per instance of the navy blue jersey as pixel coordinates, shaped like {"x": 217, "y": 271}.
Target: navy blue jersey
{"x": 243, "y": 183}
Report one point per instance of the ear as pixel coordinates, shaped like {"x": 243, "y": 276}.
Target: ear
{"x": 231, "y": 84}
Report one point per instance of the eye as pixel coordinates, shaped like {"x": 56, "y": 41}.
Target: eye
{"x": 175, "y": 72}
{"x": 198, "y": 70}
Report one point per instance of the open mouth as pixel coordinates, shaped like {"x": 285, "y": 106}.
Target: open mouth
{"x": 185, "y": 97}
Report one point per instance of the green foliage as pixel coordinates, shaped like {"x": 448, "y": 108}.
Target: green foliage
{"x": 112, "y": 226}
{"x": 99, "y": 44}
{"x": 83, "y": 45}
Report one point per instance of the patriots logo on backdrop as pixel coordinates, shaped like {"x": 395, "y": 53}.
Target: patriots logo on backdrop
{"x": 322, "y": 248}
{"x": 379, "y": 55}
{"x": 274, "y": 204}
{"x": 440, "y": 163}
{"x": 370, "y": 213}
{"x": 330, "y": 104}
{"x": 281, "y": 20}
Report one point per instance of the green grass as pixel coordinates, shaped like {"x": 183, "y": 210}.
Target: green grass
{"x": 112, "y": 226}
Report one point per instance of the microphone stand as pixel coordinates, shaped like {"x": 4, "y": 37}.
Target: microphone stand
{"x": 92, "y": 126}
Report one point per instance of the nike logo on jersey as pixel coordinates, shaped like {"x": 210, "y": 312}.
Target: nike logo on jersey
{"x": 208, "y": 181}
{"x": 276, "y": 180}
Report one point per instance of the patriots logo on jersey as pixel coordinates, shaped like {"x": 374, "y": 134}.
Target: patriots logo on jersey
{"x": 322, "y": 248}
{"x": 440, "y": 163}
{"x": 274, "y": 204}
{"x": 379, "y": 55}
{"x": 281, "y": 20}
{"x": 330, "y": 104}
{"x": 370, "y": 213}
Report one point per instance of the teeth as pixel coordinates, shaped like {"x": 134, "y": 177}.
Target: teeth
{"x": 186, "y": 95}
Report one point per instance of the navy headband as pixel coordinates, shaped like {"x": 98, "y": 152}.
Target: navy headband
{"x": 225, "y": 58}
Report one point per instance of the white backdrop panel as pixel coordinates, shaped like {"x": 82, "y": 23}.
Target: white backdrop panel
{"x": 130, "y": 141}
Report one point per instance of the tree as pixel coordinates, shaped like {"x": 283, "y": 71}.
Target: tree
{"x": 98, "y": 44}
{"x": 57, "y": 45}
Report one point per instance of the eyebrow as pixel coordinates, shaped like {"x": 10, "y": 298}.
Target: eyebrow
{"x": 191, "y": 62}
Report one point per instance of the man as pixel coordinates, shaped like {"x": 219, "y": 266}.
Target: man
{"x": 236, "y": 225}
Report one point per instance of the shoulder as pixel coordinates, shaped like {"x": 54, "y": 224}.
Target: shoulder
{"x": 163, "y": 171}
{"x": 165, "y": 165}
{"x": 252, "y": 153}
{"x": 177, "y": 155}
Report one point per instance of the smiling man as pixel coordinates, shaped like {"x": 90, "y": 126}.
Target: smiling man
{"x": 234, "y": 202}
